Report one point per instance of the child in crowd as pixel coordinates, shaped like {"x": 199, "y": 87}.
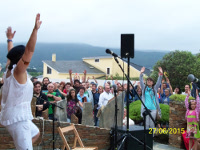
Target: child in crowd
{"x": 192, "y": 116}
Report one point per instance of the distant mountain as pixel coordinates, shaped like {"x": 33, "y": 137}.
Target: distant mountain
{"x": 74, "y": 51}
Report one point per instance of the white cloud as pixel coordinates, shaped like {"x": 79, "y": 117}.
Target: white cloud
{"x": 157, "y": 24}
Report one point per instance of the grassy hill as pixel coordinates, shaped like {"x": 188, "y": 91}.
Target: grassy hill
{"x": 74, "y": 51}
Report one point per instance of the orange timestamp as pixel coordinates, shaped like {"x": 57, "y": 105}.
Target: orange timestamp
{"x": 166, "y": 130}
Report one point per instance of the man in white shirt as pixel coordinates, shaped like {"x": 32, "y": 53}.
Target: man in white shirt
{"x": 105, "y": 97}
{"x": 187, "y": 89}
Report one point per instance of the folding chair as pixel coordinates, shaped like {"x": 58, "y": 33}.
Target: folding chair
{"x": 77, "y": 137}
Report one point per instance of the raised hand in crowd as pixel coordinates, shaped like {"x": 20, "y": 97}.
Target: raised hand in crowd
{"x": 134, "y": 82}
{"x": 70, "y": 77}
{"x": 94, "y": 79}
{"x": 88, "y": 78}
{"x": 70, "y": 72}
{"x": 160, "y": 70}
{"x": 142, "y": 70}
{"x": 84, "y": 75}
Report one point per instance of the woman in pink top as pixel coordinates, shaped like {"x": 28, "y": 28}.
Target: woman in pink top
{"x": 192, "y": 116}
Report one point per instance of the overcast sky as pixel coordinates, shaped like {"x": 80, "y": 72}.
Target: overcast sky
{"x": 157, "y": 24}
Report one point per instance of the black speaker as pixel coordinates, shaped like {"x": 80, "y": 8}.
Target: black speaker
{"x": 127, "y": 45}
{"x": 137, "y": 132}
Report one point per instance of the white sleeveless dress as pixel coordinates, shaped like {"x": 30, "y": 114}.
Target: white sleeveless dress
{"x": 16, "y": 112}
{"x": 16, "y": 100}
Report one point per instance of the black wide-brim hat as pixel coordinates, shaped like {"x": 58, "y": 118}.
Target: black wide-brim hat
{"x": 15, "y": 54}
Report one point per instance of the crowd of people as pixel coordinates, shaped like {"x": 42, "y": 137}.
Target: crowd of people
{"x": 78, "y": 91}
{"x": 18, "y": 90}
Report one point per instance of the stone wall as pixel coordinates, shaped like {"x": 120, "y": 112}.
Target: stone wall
{"x": 90, "y": 135}
{"x": 177, "y": 120}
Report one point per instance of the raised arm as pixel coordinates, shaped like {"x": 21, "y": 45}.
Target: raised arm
{"x": 186, "y": 101}
{"x": 159, "y": 78}
{"x": 197, "y": 100}
{"x": 22, "y": 65}
{"x": 70, "y": 77}
{"x": 10, "y": 35}
{"x": 161, "y": 89}
{"x": 141, "y": 78}
{"x": 95, "y": 79}
{"x": 171, "y": 90}
{"x": 88, "y": 78}
{"x": 84, "y": 75}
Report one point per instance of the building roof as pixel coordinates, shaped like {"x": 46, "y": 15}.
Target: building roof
{"x": 75, "y": 66}
{"x": 97, "y": 57}
{"x": 138, "y": 67}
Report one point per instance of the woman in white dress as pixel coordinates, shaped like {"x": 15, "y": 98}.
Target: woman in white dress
{"x": 17, "y": 92}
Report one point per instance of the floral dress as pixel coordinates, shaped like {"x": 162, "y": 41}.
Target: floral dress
{"x": 192, "y": 119}
{"x": 71, "y": 108}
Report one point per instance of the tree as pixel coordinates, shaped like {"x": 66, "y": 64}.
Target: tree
{"x": 178, "y": 65}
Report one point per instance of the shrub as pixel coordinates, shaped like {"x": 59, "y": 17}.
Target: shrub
{"x": 134, "y": 109}
{"x": 179, "y": 97}
{"x": 135, "y": 112}
{"x": 165, "y": 113}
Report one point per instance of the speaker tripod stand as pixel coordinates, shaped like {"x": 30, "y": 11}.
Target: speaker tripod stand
{"x": 127, "y": 135}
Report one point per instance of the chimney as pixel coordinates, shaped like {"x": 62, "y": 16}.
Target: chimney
{"x": 54, "y": 57}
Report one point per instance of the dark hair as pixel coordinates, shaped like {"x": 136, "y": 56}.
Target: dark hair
{"x": 62, "y": 83}
{"x": 94, "y": 84}
{"x": 179, "y": 92}
{"x": 32, "y": 79}
{"x": 68, "y": 83}
{"x": 190, "y": 108}
{"x": 69, "y": 97}
{"x": 149, "y": 78}
{"x": 76, "y": 80}
{"x": 82, "y": 88}
{"x": 44, "y": 78}
{"x": 37, "y": 82}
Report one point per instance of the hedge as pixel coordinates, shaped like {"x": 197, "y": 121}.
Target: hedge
{"x": 135, "y": 112}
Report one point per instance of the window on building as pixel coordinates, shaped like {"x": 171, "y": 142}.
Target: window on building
{"x": 108, "y": 71}
{"x": 96, "y": 60}
{"x": 48, "y": 70}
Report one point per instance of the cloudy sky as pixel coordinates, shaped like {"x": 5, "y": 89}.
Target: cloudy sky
{"x": 157, "y": 24}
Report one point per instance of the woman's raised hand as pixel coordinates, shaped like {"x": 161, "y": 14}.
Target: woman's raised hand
{"x": 142, "y": 70}
{"x": 10, "y": 35}
{"x": 37, "y": 22}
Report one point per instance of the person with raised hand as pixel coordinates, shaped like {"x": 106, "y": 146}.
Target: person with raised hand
{"x": 16, "y": 113}
{"x": 149, "y": 96}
